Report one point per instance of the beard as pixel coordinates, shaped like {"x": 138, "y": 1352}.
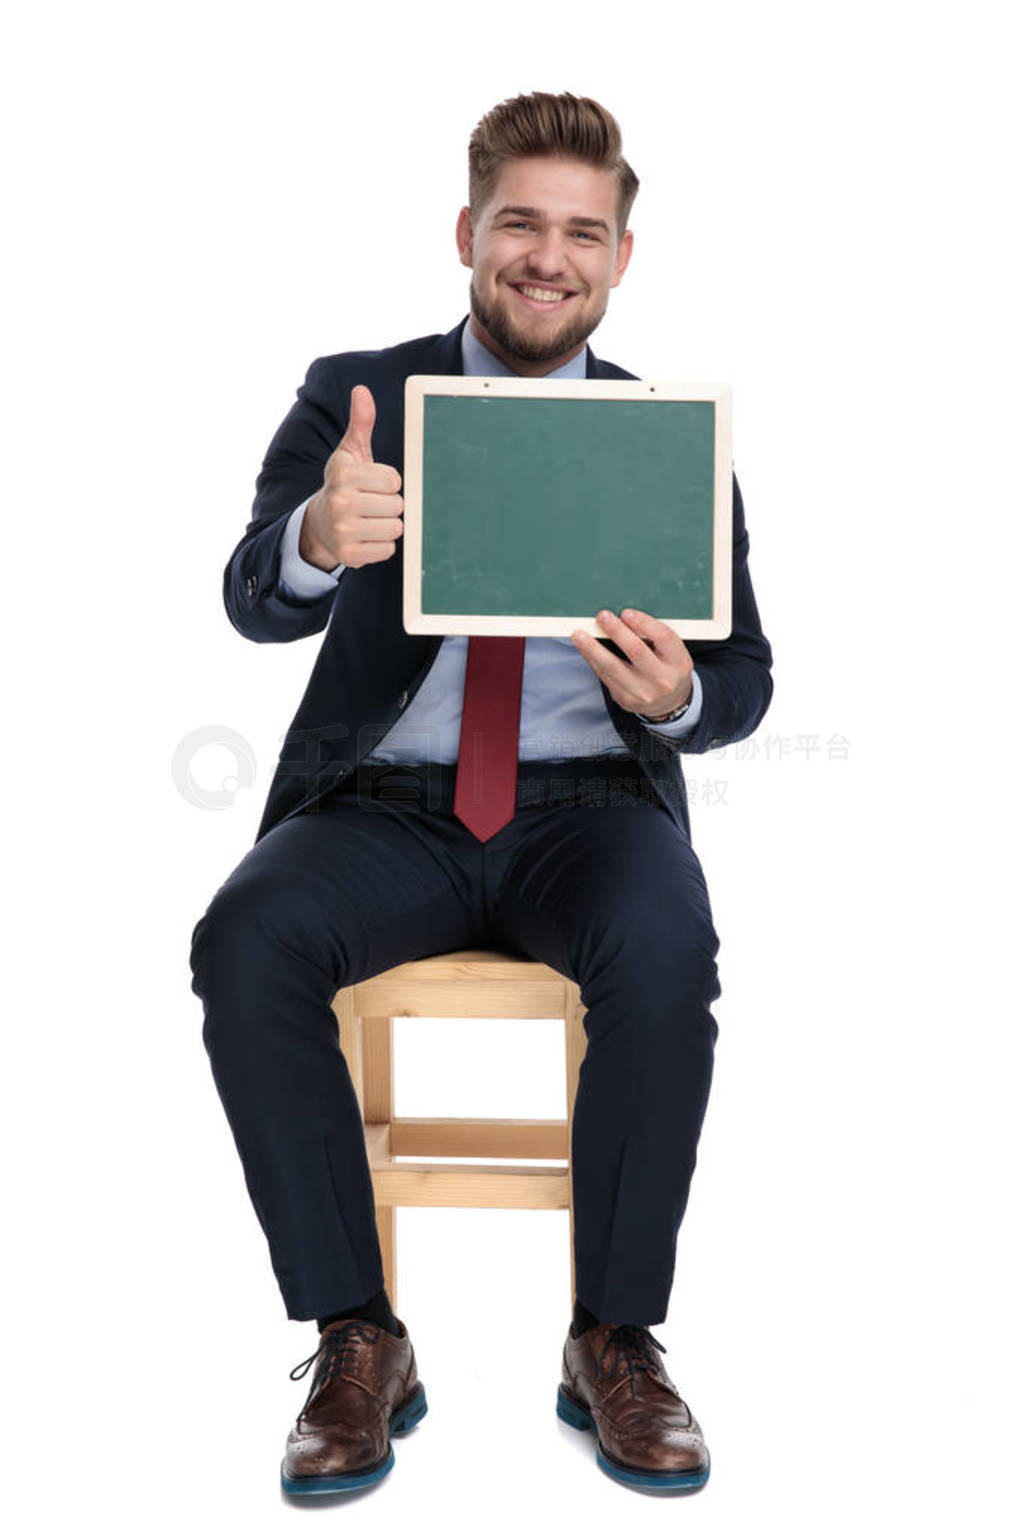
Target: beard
{"x": 500, "y": 326}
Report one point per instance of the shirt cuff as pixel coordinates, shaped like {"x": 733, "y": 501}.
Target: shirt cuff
{"x": 298, "y": 578}
{"x": 675, "y": 730}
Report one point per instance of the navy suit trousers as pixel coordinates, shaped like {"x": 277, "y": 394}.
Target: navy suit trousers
{"x": 593, "y": 877}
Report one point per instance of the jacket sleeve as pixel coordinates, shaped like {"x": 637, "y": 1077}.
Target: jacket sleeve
{"x": 735, "y": 673}
{"x": 293, "y": 470}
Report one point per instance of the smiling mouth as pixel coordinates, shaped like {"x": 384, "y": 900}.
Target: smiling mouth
{"x": 543, "y": 298}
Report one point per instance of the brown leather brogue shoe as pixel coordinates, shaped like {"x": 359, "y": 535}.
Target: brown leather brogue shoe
{"x": 614, "y": 1384}
{"x": 365, "y": 1389}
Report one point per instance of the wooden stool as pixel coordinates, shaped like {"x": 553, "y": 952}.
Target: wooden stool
{"x": 467, "y": 983}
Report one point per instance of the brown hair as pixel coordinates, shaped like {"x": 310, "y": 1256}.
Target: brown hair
{"x": 542, "y": 124}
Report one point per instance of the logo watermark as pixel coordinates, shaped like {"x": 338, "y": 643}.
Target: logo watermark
{"x": 317, "y": 761}
{"x": 207, "y": 797}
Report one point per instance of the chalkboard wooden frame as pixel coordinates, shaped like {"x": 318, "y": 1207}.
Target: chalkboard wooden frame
{"x": 420, "y": 388}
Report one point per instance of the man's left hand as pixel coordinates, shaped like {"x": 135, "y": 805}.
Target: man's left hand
{"x": 657, "y": 678}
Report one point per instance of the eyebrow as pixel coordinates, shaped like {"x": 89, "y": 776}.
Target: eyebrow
{"x": 535, "y": 213}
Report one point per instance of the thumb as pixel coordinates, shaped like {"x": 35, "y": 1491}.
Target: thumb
{"x": 362, "y": 415}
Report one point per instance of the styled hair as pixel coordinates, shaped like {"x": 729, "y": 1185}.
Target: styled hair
{"x": 542, "y": 124}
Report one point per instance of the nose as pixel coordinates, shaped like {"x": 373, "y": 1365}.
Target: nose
{"x": 546, "y": 257}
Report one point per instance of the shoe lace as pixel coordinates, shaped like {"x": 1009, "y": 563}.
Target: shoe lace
{"x": 336, "y": 1351}
{"x": 628, "y": 1343}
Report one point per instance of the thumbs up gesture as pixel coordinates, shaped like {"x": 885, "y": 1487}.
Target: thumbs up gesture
{"x": 356, "y": 516}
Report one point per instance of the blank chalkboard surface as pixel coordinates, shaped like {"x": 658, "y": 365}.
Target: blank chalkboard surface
{"x": 530, "y": 504}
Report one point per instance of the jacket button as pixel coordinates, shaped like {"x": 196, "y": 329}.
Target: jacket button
{"x": 251, "y": 586}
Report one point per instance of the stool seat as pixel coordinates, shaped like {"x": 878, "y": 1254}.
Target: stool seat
{"x": 465, "y": 983}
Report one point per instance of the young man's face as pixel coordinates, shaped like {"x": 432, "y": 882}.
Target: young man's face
{"x": 549, "y": 229}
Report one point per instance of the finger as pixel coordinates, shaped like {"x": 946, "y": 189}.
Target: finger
{"x": 377, "y": 551}
{"x": 664, "y": 641}
{"x": 625, "y": 638}
{"x": 372, "y": 533}
{"x": 381, "y": 478}
{"x": 608, "y": 667}
{"x": 643, "y": 669}
{"x": 371, "y": 509}
{"x": 359, "y": 432}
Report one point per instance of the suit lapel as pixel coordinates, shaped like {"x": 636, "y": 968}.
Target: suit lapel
{"x": 597, "y": 368}
{"x": 445, "y": 355}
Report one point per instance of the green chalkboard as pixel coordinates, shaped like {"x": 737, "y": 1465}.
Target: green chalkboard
{"x": 530, "y": 504}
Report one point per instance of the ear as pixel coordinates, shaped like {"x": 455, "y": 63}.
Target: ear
{"x": 464, "y": 237}
{"x": 622, "y": 255}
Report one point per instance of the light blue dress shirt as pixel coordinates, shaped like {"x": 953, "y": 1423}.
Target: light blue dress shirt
{"x": 563, "y": 712}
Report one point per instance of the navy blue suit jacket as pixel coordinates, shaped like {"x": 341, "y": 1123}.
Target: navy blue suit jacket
{"x": 368, "y": 668}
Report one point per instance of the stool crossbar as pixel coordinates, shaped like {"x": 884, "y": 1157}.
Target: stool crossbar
{"x": 469, "y": 983}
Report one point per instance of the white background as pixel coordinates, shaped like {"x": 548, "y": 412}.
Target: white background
{"x": 201, "y": 200}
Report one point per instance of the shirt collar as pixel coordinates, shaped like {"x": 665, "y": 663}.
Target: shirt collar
{"x": 477, "y": 361}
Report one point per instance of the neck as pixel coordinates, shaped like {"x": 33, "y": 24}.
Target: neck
{"x": 524, "y": 368}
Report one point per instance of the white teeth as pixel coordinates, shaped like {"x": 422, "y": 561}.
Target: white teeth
{"x": 543, "y": 294}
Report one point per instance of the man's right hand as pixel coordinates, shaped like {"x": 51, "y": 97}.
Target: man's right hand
{"x": 356, "y": 516}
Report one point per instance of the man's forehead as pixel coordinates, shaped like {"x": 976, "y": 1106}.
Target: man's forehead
{"x": 554, "y": 185}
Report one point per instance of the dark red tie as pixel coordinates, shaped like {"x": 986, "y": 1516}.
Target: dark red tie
{"x": 485, "y": 780}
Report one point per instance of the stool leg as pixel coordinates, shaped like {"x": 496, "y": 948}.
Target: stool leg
{"x": 575, "y": 1049}
{"x": 378, "y": 1109}
{"x": 350, "y": 1038}
{"x": 366, "y": 1044}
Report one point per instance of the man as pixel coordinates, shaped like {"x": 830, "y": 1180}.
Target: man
{"x": 577, "y": 854}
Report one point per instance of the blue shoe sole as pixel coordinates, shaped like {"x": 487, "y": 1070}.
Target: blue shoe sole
{"x": 574, "y": 1413}
{"x": 404, "y": 1417}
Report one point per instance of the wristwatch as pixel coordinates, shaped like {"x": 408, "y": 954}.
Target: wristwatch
{"x": 665, "y": 719}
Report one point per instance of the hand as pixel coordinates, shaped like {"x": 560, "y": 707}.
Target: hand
{"x": 356, "y": 516}
{"x": 657, "y": 678}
